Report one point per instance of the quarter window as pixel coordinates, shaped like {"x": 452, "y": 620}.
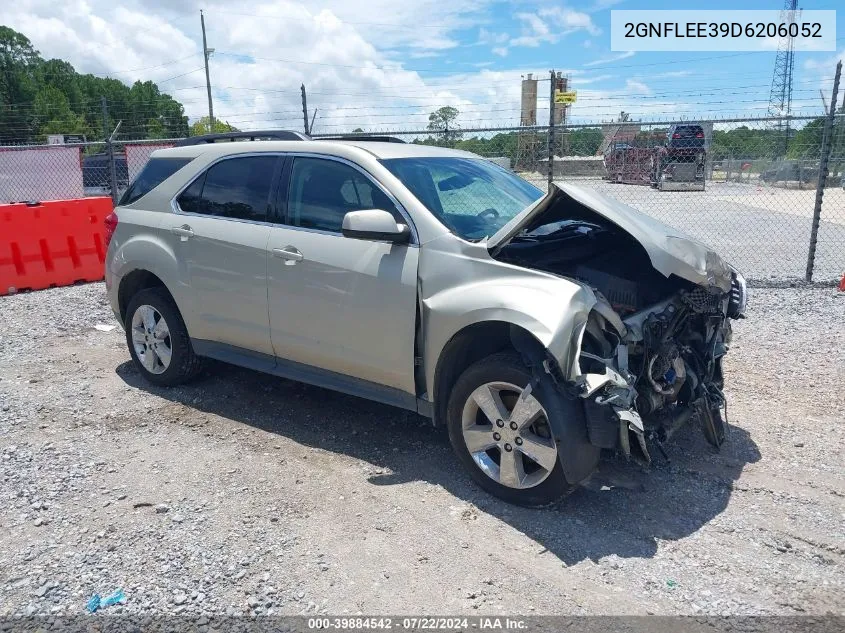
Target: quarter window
{"x": 233, "y": 188}
{"x": 155, "y": 172}
{"x": 323, "y": 191}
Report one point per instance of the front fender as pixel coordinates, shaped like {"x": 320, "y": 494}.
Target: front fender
{"x": 554, "y": 310}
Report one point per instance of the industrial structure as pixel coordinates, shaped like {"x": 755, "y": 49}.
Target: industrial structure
{"x": 528, "y": 141}
{"x": 780, "y": 98}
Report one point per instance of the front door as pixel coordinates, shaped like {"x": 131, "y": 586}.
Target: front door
{"x": 344, "y": 305}
{"x": 222, "y": 234}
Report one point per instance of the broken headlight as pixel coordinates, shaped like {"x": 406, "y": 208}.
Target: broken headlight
{"x": 739, "y": 296}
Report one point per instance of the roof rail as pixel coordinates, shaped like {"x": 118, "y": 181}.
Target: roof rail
{"x": 258, "y": 135}
{"x": 361, "y": 137}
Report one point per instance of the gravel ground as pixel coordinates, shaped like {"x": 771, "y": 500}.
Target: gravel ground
{"x": 244, "y": 493}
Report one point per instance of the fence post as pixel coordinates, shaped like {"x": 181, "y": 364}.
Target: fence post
{"x": 823, "y": 165}
{"x": 304, "y": 109}
{"x": 109, "y": 151}
{"x": 552, "y": 83}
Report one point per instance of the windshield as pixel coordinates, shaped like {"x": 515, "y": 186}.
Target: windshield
{"x": 473, "y": 197}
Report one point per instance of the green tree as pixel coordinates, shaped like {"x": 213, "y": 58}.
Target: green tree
{"x": 442, "y": 121}
{"x": 18, "y": 59}
{"x": 807, "y": 142}
{"x": 39, "y": 97}
{"x": 200, "y": 126}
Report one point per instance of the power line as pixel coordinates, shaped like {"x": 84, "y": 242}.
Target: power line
{"x": 343, "y": 21}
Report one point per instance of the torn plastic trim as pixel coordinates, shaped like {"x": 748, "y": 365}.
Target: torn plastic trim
{"x": 614, "y": 387}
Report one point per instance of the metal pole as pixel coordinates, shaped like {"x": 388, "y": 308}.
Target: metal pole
{"x": 823, "y": 165}
{"x": 552, "y": 82}
{"x": 207, "y": 77}
{"x": 838, "y": 148}
{"x": 304, "y": 109}
{"x": 564, "y": 133}
{"x": 112, "y": 165}
{"x": 109, "y": 151}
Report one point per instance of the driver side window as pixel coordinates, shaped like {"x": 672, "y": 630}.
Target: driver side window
{"x": 322, "y": 191}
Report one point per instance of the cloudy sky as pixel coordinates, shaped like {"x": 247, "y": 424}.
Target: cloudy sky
{"x": 385, "y": 64}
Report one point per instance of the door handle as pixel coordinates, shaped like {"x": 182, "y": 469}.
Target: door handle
{"x": 183, "y": 232}
{"x": 289, "y": 253}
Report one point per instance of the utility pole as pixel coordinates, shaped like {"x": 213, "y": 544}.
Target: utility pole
{"x": 304, "y": 109}
{"x": 205, "y": 53}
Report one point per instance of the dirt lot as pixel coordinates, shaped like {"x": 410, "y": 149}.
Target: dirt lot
{"x": 246, "y": 493}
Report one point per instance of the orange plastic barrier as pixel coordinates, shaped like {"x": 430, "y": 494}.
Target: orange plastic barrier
{"x": 54, "y": 243}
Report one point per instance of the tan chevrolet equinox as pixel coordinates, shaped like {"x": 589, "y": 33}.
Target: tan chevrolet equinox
{"x": 540, "y": 328}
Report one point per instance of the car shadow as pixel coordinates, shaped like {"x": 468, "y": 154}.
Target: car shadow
{"x": 623, "y": 509}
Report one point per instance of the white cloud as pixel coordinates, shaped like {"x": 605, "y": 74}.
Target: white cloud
{"x": 486, "y": 37}
{"x": 594, "y": 80}
{"x": 608, "y": 60}
{"x": 264, "y": 51}
{"x": 826, "y": 65}
{"x": 570, "y": 20}
{"x": 365, "y": 62}
{"x": 599, "y": 5}
{"x": 550, "y": 24}
{"x": 637, "y": 87}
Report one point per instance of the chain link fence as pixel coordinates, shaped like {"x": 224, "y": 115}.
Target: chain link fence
{"x": 748, "y": 187}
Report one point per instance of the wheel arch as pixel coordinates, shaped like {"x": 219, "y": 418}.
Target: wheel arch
{"x": 135, "y": 281}
{"x": 471, "y": 344}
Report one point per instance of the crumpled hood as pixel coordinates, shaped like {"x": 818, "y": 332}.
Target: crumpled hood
{"x": 670, "y": 250}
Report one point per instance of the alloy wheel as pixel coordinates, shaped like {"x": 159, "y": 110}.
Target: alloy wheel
{"x": 507, "y": 433}
{"x": 151, "y": 339}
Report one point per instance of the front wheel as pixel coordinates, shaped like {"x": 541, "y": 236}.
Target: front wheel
{"x": 500, "y": 428}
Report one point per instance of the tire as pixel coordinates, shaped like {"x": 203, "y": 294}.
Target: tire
{"x": 183, "y": 363}
{"x": 540, "y": 487}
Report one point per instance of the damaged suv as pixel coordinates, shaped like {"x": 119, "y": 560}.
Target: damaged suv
{"x": 538, "y": 328}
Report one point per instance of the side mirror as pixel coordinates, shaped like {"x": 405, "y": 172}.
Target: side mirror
{"x": 375, "y": 224}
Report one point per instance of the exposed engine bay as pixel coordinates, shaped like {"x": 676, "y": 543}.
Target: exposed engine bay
{"x": 651, "y": 350}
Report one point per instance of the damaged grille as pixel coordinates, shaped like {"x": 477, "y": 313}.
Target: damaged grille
{"x": 703, "y": 301}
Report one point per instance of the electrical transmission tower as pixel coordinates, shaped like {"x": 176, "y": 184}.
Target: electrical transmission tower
{"x": 780, "y": 99}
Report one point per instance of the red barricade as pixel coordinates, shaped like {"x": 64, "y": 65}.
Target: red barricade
{"x": 54, "y": 243}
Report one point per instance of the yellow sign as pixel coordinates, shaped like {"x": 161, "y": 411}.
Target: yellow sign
{"x": 566, "y": 97}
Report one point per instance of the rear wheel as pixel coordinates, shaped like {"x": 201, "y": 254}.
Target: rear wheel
{"x": 158, "y": 340}
{"x": 500, "y": 428}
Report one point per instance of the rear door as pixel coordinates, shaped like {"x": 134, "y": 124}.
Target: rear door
{"x": 220, "y": 232}
{"x": 344, "y": 305}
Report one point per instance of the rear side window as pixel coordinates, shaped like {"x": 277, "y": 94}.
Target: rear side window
{"x": 156, "y": 171}
{"x": 233, "y": 188}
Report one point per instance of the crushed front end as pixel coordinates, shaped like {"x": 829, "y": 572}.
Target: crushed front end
{"x": 660, "y": 372}
{"x": 649, "y": 357}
